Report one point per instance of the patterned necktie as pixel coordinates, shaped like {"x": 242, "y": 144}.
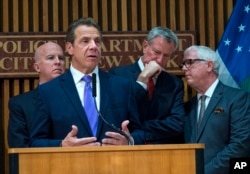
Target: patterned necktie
{"x": 150, "y": 87}
{"x": 89, "y": 105}
{"x": 202, "y": 109}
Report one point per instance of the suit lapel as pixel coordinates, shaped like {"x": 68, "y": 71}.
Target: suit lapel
{"x": 104, "y": 98}
{"x": 135, "y": 70}
{"x": 35, "y": 96}
{"x": 217, "y": 94}
{"x": 68, "y": 85}
{"x": 193, "y": 120}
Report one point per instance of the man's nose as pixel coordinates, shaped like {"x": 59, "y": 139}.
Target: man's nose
{"x": 57, "y": 59}
{"x": 93, "y": 43}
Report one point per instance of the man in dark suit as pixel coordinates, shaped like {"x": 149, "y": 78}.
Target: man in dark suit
{"x": 161, "y": 111}
{"x": 62, "y": 117}
{"x": 49, "y": 63}
{"x": 222, "y": 120}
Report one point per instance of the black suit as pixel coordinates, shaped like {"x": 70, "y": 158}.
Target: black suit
{"x": 21, "y": 114}
{"x": 59, "y": 107}
{"x": 162, "y": 118}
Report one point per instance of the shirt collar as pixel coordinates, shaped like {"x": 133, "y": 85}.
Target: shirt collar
{"x": 77, "y": 75}
{"x": 140, "y": 63}
{"x": 210, "y": 90}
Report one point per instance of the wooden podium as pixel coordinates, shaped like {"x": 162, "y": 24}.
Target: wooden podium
{"x": 143, "y": 159}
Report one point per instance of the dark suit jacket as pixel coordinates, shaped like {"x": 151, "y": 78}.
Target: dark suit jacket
{"x": 59, "y": 107}
{"x": 225, "y": 128}
{"x": 163, "y": 117}
{"x": 21, "y": 114}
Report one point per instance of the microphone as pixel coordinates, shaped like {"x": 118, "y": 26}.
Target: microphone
{"x": 112, "y": 126}
{"x": 94, "y": 86}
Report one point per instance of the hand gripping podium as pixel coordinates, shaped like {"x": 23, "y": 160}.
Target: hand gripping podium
{"x": 139, "y": 159}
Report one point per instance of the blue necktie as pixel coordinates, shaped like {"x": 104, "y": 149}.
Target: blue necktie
{"x": 89, "y": 105}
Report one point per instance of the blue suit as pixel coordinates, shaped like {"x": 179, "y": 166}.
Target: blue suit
{"x": 162, "y": 118}
{"x": 59, "y": 107}
{"x": 21, "y": 113}
{"x": 225, "y": 128}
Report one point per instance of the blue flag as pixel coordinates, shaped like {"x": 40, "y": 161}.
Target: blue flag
{"x": 234, "y": 48}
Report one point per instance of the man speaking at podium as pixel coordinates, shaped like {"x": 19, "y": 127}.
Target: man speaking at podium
{"x": 68, "y": 115}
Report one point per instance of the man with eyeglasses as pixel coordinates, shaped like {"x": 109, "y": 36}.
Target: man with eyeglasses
{"x": 222, "y": 120}
{"x": 159, "y": 93}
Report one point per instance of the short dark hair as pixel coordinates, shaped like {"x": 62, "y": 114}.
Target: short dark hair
{"x": 70, "y": 37}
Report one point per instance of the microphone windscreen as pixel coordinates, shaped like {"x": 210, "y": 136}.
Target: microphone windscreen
{"x": 94, "y": 85}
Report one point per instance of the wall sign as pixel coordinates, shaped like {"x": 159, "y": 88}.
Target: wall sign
{"x": 118, "y": 48}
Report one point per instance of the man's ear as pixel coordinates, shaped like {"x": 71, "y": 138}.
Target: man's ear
{"x": 36, "y": 67}
{"x": 210, "y": 65}
{"x": 144, "y": 45}
{"x": 69, "y": 47}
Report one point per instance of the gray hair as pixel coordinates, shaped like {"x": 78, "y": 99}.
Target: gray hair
{"x": 166, "y": 33}
{"x": 206, "y": 53}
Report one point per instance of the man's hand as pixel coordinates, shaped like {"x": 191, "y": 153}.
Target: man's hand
{"x": 150, "y": 69}
{"x": 115, "y": 138}
{"x": 72, "y": 140}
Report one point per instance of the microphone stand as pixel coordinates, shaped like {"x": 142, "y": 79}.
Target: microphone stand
{"x": 112, "y": 126}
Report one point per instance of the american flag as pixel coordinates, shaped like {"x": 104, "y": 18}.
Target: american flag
{"x": 234, "y": 48}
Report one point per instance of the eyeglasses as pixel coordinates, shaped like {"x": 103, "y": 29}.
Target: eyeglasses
{"x": 188, "y": 62}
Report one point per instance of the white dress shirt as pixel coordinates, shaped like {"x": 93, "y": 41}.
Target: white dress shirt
{"x": 208, "y": 95}
{"x": 80, "y": 84}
